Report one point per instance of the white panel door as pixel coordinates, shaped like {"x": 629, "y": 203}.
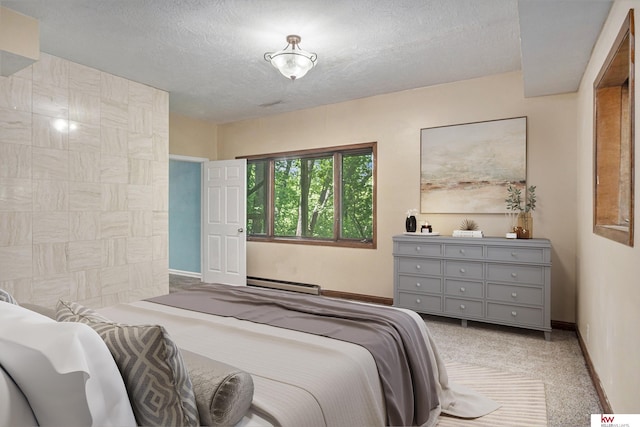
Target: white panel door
{"x": 224, "y": 220}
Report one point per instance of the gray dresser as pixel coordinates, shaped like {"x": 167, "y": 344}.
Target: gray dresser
{"x": 487, "y": 279}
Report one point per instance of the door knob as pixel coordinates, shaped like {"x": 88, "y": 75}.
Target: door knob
{"x": 240, "y": 230}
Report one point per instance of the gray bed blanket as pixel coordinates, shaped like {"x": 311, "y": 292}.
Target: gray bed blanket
{"x": 391, "y": 336}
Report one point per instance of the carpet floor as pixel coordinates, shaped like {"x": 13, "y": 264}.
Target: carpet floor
{"x": 558, "y": 364}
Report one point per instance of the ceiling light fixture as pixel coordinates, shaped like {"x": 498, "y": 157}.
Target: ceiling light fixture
{"x": 292, "y": 62}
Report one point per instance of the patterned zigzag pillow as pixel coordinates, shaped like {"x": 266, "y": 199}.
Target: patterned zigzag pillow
{"x": 151, "y": 365}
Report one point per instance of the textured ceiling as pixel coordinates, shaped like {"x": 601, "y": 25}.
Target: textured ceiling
{"x": 209, "y": 54}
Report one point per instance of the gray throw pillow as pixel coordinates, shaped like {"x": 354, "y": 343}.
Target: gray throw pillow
{"x": 154, "y": 373}
{"x": 67, "y": 311}
{"x": 223, "y": 392}
{"x": 45, "y": 311}
{"x": 7, "y": 297}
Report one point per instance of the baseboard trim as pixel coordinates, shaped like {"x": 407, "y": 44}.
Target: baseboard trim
{"x": 356, "y": 297}
{"x": 604, "y": 401}
{"x": 185, "y": 273}
{"x": 565, "y": 326}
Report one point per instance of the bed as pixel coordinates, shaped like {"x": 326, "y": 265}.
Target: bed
{"x": 299, "y": 377}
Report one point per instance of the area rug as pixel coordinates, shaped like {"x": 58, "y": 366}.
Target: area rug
{"x": 522, "y": 399}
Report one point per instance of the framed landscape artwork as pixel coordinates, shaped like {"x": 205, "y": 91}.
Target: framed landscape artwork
{"x": 466, "y": 168}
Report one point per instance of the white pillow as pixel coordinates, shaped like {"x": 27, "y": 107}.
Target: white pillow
{"x": 65, "y": 370}
{"x": 14, "y": 407}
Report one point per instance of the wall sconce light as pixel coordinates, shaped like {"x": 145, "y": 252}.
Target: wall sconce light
{"x": 292, "y": 62}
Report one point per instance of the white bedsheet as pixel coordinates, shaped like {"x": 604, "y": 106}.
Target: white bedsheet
{"x": 299, "y": 379}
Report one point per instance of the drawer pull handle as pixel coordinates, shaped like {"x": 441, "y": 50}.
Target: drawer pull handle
{"x": 418, "y": 285}
{"x": 514, "y": 314}
{"x": 514, "y": 294}
{"x": 418, "y": 301}
{"x": 462, "y": 307}
{"x": 462, "y": 251}
{"x": 418, "y": 248}
{"x": 514, "y": 275}
{"x": 462, "y": 290}
{"x": 418, "y": 267}
{"x": 514, "y": 254}
{"x": 462, "y": 270}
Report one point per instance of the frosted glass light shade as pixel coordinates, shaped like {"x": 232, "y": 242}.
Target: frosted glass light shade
{"x": 292, "y": 62}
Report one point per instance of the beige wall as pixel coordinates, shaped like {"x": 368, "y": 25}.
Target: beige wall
{"x": 608, "y": 272}
{"x": 83, "y": 186}
{"x": 192, "y": 137}
{"x": 395, "y": 120}
{"x": 19, "y": 41}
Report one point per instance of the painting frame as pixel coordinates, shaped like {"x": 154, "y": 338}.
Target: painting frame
{"x": 466, "y": 168}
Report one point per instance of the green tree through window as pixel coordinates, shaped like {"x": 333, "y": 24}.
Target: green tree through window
{"x": 357, "y": 194}
{"x": 313, "y": 196}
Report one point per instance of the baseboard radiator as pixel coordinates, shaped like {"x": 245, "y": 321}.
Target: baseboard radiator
{"x": 283, "y": 285}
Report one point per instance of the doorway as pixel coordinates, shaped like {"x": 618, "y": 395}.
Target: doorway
{"x": 185, "y": 210}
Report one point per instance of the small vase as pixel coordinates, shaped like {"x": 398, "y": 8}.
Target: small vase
{"x": 521, "y": 233}
{"x": 411, "y": 224}
{"x": 525, "y": 225}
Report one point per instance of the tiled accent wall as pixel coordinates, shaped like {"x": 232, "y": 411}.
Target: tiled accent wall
{"x": 84, "y": 161}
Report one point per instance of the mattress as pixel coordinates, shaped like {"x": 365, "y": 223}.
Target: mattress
{"x": 299, "y": 378}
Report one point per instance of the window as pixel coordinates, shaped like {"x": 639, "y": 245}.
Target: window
{"x": 614, "y": 140}
{"x": 324, "y": 197}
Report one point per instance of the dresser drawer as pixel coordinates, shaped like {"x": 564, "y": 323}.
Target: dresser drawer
{"x": 463, "y": 288}
{"x": 463, "y": 251}
{"x": 514, "y": 314}
{"x": 498, "y": 253}
{"x": 466, "y": 269}
{"x": 516, "y": 273}
{"x": 420, "y": 266}
{"x": 493, "y": 280}
{"x": 515, "y": 294}
{"x": 420, "y": 284}
{"x": 420, "y": 303}
{"x": 419, "y": 248}
{"x": 463, "y": 308}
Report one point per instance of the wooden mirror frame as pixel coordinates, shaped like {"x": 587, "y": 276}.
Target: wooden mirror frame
{"x": 614, "y": 134}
